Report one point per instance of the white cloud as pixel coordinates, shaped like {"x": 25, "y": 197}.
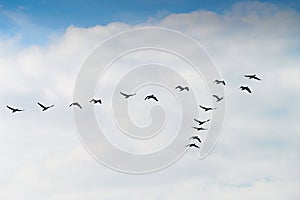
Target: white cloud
{"x": 257, "y": 157}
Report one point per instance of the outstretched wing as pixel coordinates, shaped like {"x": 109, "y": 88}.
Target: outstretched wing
{"x": 77, "y": 104}
{"x": 44, "y": 107}
{"x": 248, "y": 89}
{"x": 196, "y": 120}
{"x": 10, "y": 108}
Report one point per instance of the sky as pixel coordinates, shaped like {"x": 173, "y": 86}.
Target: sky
{"x": 43, "y": 46}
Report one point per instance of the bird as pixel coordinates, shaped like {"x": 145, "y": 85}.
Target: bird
{"x": 206, "y": 109}
{"x": 151, "y": 97}
{"x": 182, "y": 88}
{"x": 201, "y": 122}
{"x": 195, "y": 138}
{"x": 13, "y": 110}
{"x": 218, "y": 98}
{"x": 199, "y": 128}
{"x": 252, "y": 77}
{"x": 220, "y": 82}
{"x": 44, "y": 107}
{"x": 192, "y": 145}
{"x": 127, "y": 95}
{"x": 75, "y": 104}
{"x": 245, "y": 88}
{"x": 96, "y": 101}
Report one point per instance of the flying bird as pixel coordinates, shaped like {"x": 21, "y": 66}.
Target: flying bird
{"x": 201, "y": 122}
{"x": 199, "y": 128}
{"x": 151, "y": 97}
{"x": 13, "y": 110}
{"x": 206, "y": 108}
{"x": 220, "y": 82}
{"x": 195, "y": 138}
{"x": 252, "y": 77}
{"x": 182, "y": 88}
{"x": 127, "y": 95}
{"x": 245, "y": 88}
{"x": 192, "y": 145}
{"x": 75, "y": 104}
{"x": 96, "y": 101}
{"x": 44, "y": 107}
{"x": 218, "y": 98}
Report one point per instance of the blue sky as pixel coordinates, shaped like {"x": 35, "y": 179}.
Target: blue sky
{"x": 36, "y": 20}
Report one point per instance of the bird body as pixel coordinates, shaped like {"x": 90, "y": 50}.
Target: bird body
{"x": 45, "y": 107}
{"x": 151, "y": 97}
{"x": 218, "y": 98}
{"x": 195, "y": 138}
{"x": 220, "y": 82}
{"x": 75, "y": 104}
{"x": 252, "y": 77}
{"x": 96, "y": 101}
{"x": 127, "y": 95}
{"x": 199, "y": 128}
{"x": 13, "y": 110}
{"x": 182, "y": 88}
{"x": 206, "y": 108}
{"x": 246, "y": 88}
{"x": 201, "y": 122}
{"x": 192, "y": 145}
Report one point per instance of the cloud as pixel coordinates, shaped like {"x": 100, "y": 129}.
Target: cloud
{"x": 257, "y": 156}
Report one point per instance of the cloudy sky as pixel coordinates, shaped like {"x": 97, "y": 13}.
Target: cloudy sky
{"x": 43, "y": 46}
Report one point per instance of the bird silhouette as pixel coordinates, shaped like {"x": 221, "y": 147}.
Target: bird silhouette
{"x": 192, "y": 145}
{"x": 96, "y": 101}
{"x": 13, "y": 110}
{"x": 245, "y": 88}
{"x": 151, "y": 97}
{"x": 206, "y": 108}
{"x": 220, "y": 82}
{"x": 218, "y": 98}
{"x": 201, "y": 122}
{"x": 252, "y": 77}
{"x": 199, "y": 128}
{"x": 75, "y": 104}
{"x": 195, "y": 138}
{"x": 127, "y": 95}
{"x": 182, "y": 88}
{"x": 44, "y": 107}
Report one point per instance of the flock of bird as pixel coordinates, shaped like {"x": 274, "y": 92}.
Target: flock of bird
{"x": 153, "y": 97}
{"x": 206, "y": 109}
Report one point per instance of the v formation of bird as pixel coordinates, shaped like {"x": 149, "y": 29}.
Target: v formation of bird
{"x": 198, "y": 128}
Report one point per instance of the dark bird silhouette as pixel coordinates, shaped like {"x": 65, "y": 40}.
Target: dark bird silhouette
{"x": 75, "y": 104}
{"x": 201, "y": 122}
{"x": 44, "y": 107}
{"x": 96, "y": 101}
{"x": 127, "y": 95}
{"x": 195, "y": 138}
{"x": 220, "y": 82}
{"x": 182, "y": 88}
{"x": 245, "y": 88}
{"x": 151, "y": 97}
{"x": 252, "y": 77}
{"x": 13, "y": 110}
{"x": 199, "y": 128}
{"x": 206, "y": 108}
{"x": 218, "y": 98}
{"x": 192, "y": 145}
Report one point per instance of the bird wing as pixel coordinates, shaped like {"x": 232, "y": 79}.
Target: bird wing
{"x": 196, "y": 120}
{"x": 187, "y": 88}
{"x": 255, "y": 77}
{"x": 147, "y": 97}
{"x": 123, "y": 94}
{"x": 44, "y": 107}
{"x": 10, "y": 108}
{"x": 216, "y": 96}
{"x": 155, "y": 98}
{"x": 247, "y": 76}
{"x": 77, "y": 104}
{"x": 178, "y": 87}
{"x": 248, "y": 89}
{"x": 93, "y": 100}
